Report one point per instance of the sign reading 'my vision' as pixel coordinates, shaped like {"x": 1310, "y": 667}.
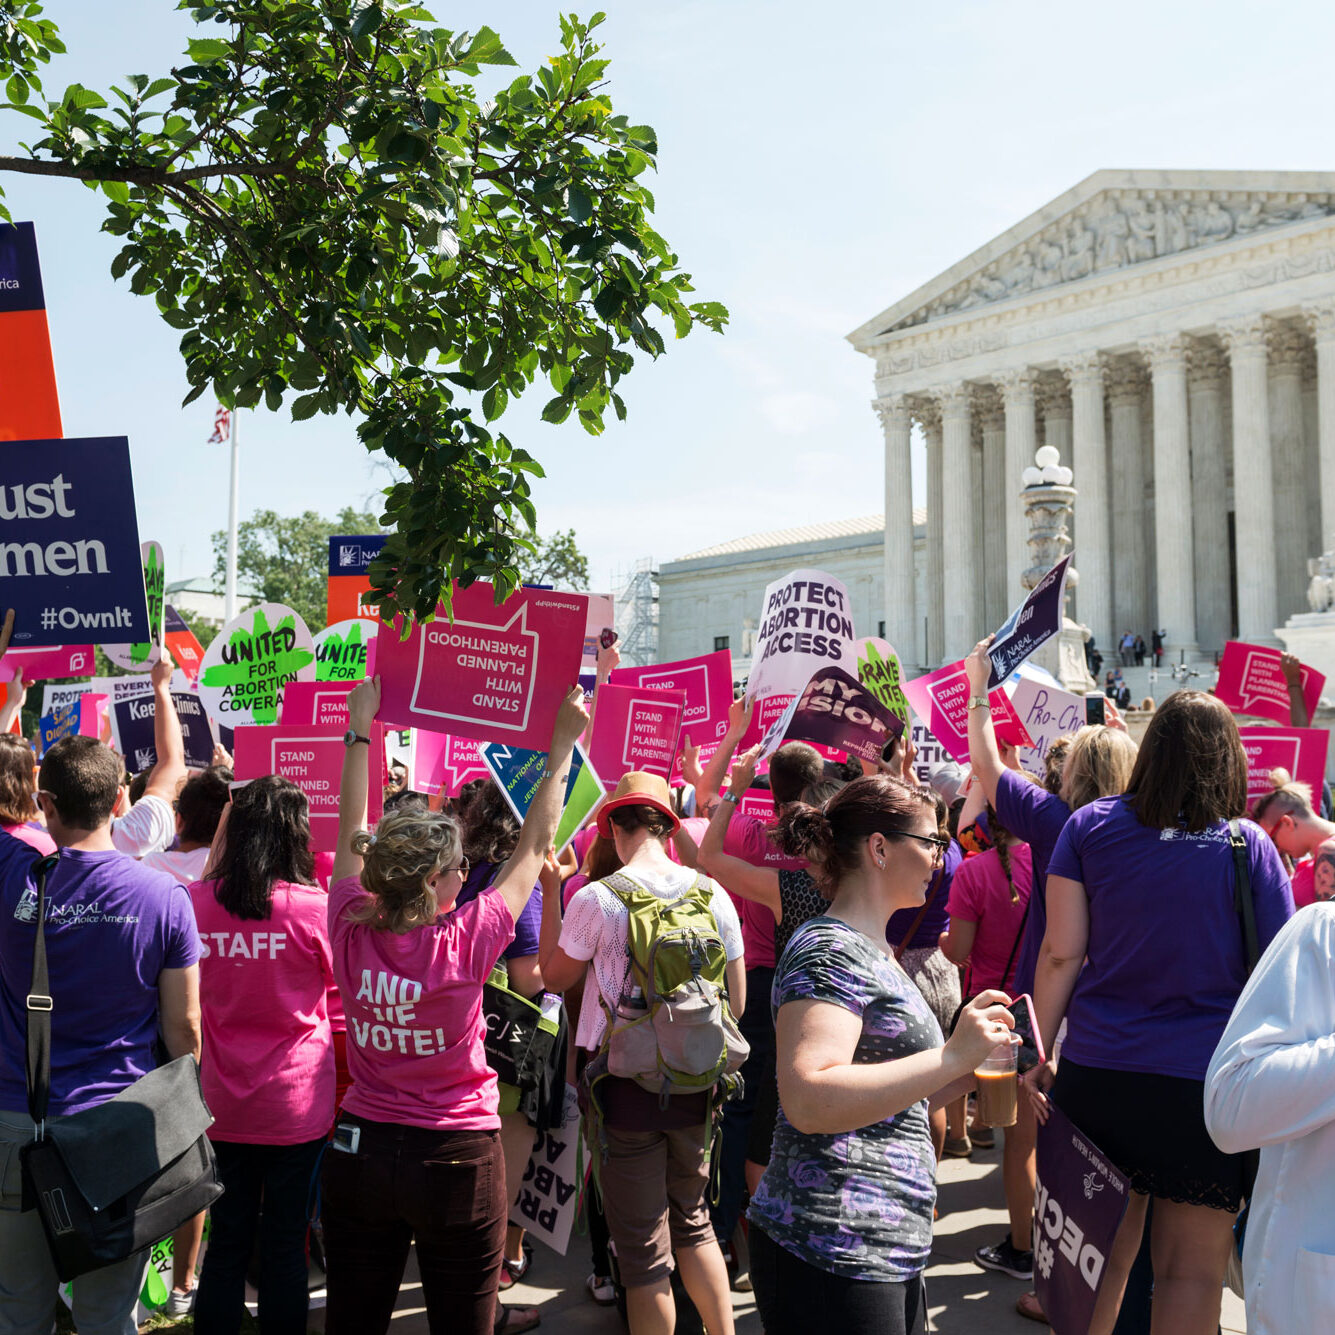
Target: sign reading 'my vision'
{"x": 69, "y": 542}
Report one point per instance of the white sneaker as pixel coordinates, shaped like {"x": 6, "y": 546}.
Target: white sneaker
{"x": 181, "y": 1304}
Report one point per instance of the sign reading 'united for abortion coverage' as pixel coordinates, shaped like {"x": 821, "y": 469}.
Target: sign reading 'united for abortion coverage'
{"x": 69, "y": 542}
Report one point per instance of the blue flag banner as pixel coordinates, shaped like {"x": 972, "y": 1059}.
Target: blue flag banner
{"x": 353, "y": 555}
{"x": 69, "y": 543}
{"x": 1033, "y": 623}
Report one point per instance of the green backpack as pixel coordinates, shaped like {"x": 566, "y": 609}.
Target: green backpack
{"x": 672, "y": 1031}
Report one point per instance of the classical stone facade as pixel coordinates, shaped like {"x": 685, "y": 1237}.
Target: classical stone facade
{"x": 1172, "y": 334}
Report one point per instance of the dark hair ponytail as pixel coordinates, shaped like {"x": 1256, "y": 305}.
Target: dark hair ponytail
{"x": 267, "y": 839}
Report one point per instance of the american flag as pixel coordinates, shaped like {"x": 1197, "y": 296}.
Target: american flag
{"x": 222, "y": 426}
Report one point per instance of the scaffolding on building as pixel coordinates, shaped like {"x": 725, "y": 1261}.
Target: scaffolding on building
{"x": 636, "y": 593}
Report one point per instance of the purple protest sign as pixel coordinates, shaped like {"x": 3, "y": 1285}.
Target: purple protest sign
{"x": 1078, "y": 1207}
{"x": 1033, "y": 623}
{"x": 836, "y": 710}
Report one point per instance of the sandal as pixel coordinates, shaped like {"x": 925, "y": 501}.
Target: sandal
{"x": 1029, "y": 1306}
{"x": 601, "y": 1290}
{"x": 515, "y": 1320}
{"x": 513, "y": 1271}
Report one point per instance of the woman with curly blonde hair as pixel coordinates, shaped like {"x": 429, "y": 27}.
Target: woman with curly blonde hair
{"x": 417, "y": 1153}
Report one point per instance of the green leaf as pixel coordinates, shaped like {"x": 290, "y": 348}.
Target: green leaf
{"x": 17, "y": 89}
{"x": 80, "y": 98}
{"x": 306, "y": 406}
{"x": 366, "y": 19}
{"x": 206, "y": 49}
{"x": 578, "y": 204}
{"x": 116, "y": 191}
{"x": 156, "y": 87}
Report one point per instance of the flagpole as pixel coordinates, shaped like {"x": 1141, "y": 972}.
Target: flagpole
{"x": 229, "y": 593}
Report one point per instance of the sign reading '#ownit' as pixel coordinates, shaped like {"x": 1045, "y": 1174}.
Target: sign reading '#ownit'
{"x": 69, "y": 543}
{"x": 493, "y": 673}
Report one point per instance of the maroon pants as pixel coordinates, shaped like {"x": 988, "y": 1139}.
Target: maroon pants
{"x": 446, "y": 1189}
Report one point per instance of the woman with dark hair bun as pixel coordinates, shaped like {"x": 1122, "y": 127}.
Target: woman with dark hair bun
{"x": 1144, "y": 957}
{"x": 842, "y": 1221}
{"x": 268, "y": 1063}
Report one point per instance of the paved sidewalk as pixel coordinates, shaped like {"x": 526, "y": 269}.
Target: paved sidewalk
{"x": 963, "y": 1299}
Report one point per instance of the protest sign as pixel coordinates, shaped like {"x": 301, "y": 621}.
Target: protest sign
{"x": 186, "y": 651}
{"x": 927, "y": 751}
{"x": 1046, "y": 712}
{"x": 806, "y": 623}
{"x": 494, "y": 673}
{"x": 1078, "y": 1207}
{"x": 29, "y": 409}
{"x": 518, "y": 772}
{"x": 548, "y": 1199}
{"x": 440, "y": 763}
{"x": 1030, "y": 625}
{"x": 128, "y": 688}
{"x": 253, "y": 657}
{"x": 941, "y": 700}
{"x": 758, "y": 804}
{"x": 706, "y": 683}
{"x": 57, "y": 697}
{"x": 601, "y": 617}
{"x": 69, "y": 542}
{"x": 132, "y": 727}
{"x": 350, "y": 559}
{"x": 763, "y": 718}
{"x": 141, "y": 657}
{"x": 67, "y": 660}
{"x": 341, "y": 650}
{"x": 1301, "y": 751}
{"x": 311, "y": 756}
{"x": 878, "y": 671}
{"x": 322, "y": 702}
{"x": 635, "y": 728}
{"x": 1251, "y": 681}
{"x": 838, "y": 711}
{"x": 56, "y": 726}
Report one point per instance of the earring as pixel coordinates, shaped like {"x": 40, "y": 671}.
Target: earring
{"x": 880, "y": 862}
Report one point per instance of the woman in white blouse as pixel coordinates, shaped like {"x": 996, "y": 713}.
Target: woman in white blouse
{"x": 1271, "y": 1084}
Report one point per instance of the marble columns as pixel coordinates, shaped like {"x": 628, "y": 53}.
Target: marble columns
{"x": 996, "y": 533}
{"x": 1130, "y": 534}
{"x": 900, "y": 615}
{"x": 929, "y": 416}
{"x": 1089, "y": 462}
{"x": 1175, "y": 583}
{"x": 1207, "y": 372}
{"x": 1017, "y": 393}
{"x": 1287, "y": 348}
{"x": 1321, "y": 319}
{"x": 963, "y": 575}
{"x": 1253, "y": 480}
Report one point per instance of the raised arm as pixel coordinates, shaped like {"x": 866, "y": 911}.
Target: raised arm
{"x": 760, "y": 884}
{"x": 521, "y": 871}
{"x": 984, "y": 754}
{"x": 166, "y": 775}
{"x": 1293, "y": 679}
{"x": 16, "y": 692}
{"x": 711, "y": 777}
{"x": 363, "y": 706}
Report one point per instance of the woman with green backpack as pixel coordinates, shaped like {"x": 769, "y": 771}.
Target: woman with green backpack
{"x": 663, "y": 945}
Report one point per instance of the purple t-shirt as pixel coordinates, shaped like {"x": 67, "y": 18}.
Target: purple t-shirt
{"x": 1037, "y": 817}
{"x": 1165, "y": 961}
{"x": 937, "y": 918}
{"x": 529, "y": 923}
{"x": 112, "y": 926}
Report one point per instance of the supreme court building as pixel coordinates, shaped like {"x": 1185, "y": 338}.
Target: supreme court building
{"x": 1172, "y": 334}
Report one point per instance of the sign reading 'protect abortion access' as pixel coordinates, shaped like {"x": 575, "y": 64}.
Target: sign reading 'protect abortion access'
{"x": 494, "y": 673}
{"x": 69, "y": 542}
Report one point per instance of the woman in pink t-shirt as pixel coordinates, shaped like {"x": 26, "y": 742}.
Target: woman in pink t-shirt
{"x": 417, "y": 1151}
{"x": 268, "y": 1060}
{"x": 18, "y": 811}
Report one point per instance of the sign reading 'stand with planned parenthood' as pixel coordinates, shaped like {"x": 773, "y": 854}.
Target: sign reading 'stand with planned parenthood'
{"x": 69, "y": 542}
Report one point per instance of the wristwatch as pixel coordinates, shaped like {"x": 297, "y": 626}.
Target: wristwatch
{"x": 731, "y": 797}
{"x": 352, "y": 737}
{"x": 978, "y": 702}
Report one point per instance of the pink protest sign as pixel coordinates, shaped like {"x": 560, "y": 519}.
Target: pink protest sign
{"x": 758, "y": 804}
{"x": 706, "y": 683}
{"x": 441, "y": 763}
{"x": 94, "y": 714}
{"x": 67, "y": 660}
{"x": 494, "y": 673}
{"x": 1252, "y": 682}
{"x": 1007, "y": 723}
{"x": 311, "y": 756}
{"x": 1301, "y": 751}
{"x": 634, "y": 729}
{"x": 941, "y": 699}
{"x": 322, "y": 702}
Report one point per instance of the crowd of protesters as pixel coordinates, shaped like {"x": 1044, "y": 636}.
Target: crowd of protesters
{"x": 870, "y": 943}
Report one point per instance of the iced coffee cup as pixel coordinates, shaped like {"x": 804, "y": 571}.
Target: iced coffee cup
{"x": 998, "y": 1086}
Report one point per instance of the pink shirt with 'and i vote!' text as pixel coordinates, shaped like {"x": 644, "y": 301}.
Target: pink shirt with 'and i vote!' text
{"x": 413, "y": 1001}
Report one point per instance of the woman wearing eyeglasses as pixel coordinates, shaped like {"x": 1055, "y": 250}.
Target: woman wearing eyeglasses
{"x": 417, "y": 1152}
{"x": 842, "y": 1221}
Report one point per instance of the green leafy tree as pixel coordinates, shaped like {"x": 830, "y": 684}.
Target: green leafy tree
{"x": 285, "y": 559}
{"x": 321, "y": 202}
{"x": 557, "y": 561}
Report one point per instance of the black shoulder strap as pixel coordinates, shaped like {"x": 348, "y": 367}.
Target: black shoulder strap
{"x": 1015, "y": 945}
{"x": 1242, "y": 895}
{"x": 38, "y": 1004}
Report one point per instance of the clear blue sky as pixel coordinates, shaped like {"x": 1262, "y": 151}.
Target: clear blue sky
{"x": 817, "y": 163}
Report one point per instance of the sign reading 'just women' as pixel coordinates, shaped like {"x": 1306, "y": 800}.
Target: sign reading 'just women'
{"x": 69, "y": 542}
